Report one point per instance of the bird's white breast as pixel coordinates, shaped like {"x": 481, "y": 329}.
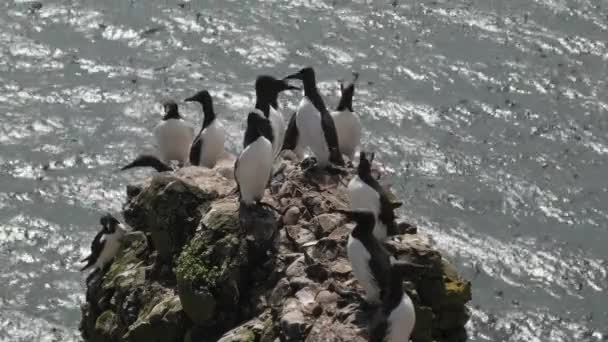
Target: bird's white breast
{"x": 359, "y": 258}
{"x": 174, "y": 137}
{"x": 348, "y": 127}
{"x": 213, "y": 137}
{"x": 277, "y": 122}
{"x": 111, "y": 246}
{"x": 401, "y": 321}
{"x": 308, "y": 121}
{"x": 363, "y": 197}
{"x": 253, "y": 170}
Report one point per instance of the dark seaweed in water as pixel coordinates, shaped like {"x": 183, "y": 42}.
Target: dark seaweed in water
{"x": 492, "y": 115}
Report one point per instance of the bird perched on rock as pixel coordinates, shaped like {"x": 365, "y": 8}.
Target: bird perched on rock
{"x": 173, "y": 135}
{"x": 370, "y": 261}
{"x": 312, "y": 125}
{"x": 253, "y": 165}
{"x": 267, "y": 90}
{"x": 395, "y": 319}
{"x": 105, "y": 246}
{"x": 348, "y": 125}
{"x": 208, "y": 145}
{"x": 365, "y": 193}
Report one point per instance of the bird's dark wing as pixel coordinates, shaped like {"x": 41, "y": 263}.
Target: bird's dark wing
{"x": 380, "y": 264}
{"x": 96, "y": 248}
{"x": 387, "y": 210}
{"x": 378, "y": 326}
{"x": 195, "y": 150}
{"x": 331, "y": 136}
{"x": 291, "y": 134}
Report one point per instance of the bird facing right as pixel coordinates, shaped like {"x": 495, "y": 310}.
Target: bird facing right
{"x": 365, "y": 193}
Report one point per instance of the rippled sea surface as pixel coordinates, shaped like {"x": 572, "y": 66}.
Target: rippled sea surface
{"x": 492, "y": 114}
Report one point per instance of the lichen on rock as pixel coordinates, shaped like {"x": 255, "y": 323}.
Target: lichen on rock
{"x": 199, "y": 267}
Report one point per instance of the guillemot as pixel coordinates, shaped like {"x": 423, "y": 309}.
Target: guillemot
{"x": 348, "y": 125}
{"x": 365, "y": 193}
{"x": 395, "y": 319}
{"x": 254, "y": 164}
{"x": 173, "y": 135}
{"x": 370, "y": 261}
{"x": 208, "y": 145}
{"x": 315, "y": 126}
{"x": 267, "y": 90}
{"x": 105, "y": 245}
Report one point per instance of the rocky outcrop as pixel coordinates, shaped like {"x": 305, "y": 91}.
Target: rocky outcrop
{"x": 197, "y": 267}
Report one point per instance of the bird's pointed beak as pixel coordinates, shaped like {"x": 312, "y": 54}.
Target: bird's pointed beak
{"x": 286, "y": 86}
{"x": 296, "y": 76}
{"x": 190, "y": 99}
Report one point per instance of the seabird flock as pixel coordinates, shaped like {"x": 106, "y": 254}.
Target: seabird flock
{"x": 329, "y": 137}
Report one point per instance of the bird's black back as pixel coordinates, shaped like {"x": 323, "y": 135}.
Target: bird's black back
{"x": 379, "y": 263}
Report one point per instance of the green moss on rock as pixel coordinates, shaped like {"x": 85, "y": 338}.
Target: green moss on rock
{"x": 127, "y": 268}
{"x": 164, "y": 322}
{"x": 105, "y": 325}
{"x": 209, "y": 269}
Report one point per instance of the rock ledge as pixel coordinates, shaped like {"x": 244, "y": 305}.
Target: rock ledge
{"x": 199, "y": 268}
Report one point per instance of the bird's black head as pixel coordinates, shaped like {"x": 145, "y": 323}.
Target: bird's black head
{"x": 171, "y": 111}
{"x": 346, "y": 99}
{"x": 109, "y": 223}
{"x": 306, "y": 75}
{"x": 257, "y": 125}
{"x": 269, "y": 85}
{"x": 361, "y": 217}
{"x": 204, "y": 98}
{"x": 364, "y": 169}
{"x": 267, "y": 90}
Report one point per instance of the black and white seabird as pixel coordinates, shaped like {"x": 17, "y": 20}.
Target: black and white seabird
{"x": 365, "y": 193}
{"x": 106, "y": 244}
{"x": 173, "y": 135}
{"x": 267, "y": 90}
{"x": 347, "y": 122}
{"x": 148, "y": 160}
{"x": 395, "y": 319}
{"x": 370, "y": 261}
{"x": 254, "y": 164}
{"x": 208, "y": 145}
{"x": 315, "y": 126}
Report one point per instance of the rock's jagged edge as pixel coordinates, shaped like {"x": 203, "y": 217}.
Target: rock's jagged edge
{"x": 197, "y": 268}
